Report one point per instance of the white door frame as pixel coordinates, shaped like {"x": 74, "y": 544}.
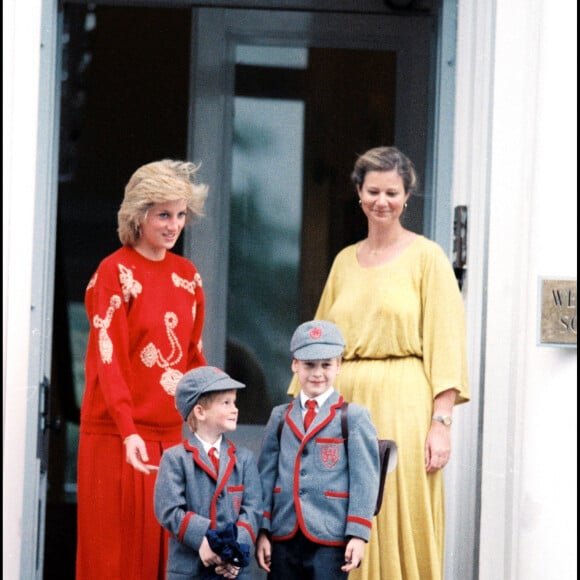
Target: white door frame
{"x": 29, "y": 282}
{"x": 34, "y": 126}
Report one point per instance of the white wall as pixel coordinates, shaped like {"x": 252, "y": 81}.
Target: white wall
{"x": 547, "y": 518}
{"x": 528, "y": 479}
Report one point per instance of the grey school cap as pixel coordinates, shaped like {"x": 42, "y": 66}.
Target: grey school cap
{"x": 196, "y": 382}
{"x": 317, "y": 340}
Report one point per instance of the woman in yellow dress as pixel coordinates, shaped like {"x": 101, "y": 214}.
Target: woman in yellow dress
{"x": 395, "y": 298}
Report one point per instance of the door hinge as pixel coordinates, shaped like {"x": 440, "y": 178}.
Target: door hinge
{"x": 46, "y": 424}
{"x": 460, "y": 243}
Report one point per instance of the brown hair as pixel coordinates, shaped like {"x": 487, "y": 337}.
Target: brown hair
{"x": 386, "y": 159}
{"x": 205, "y": 401}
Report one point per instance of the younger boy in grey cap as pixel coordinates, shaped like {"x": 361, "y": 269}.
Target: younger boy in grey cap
{"x": 207, "y": 484}
{"x": 319, "y": 492}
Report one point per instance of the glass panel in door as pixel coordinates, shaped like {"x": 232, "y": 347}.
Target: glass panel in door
{"x": 298, "y": 126}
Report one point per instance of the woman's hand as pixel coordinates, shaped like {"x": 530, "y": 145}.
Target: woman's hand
{"x": 136, "y": 454}
{"x": 438, "y": 443}
{"x": 437, "y": 447}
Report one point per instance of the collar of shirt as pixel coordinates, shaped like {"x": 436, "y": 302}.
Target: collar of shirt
{"x": 207, "y": 446}
{"x": 320, "y": 400}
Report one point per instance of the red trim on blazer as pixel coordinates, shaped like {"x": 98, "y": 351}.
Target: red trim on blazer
{"x": 341, "y": 494}
{"x": 305, "y": 439}
{"x": 199, "y": 461}
{"x": 222, "y": 483}
{"x": 361, "y": 521}
{"x": 183, "y": 526}
{"x": 247, "y": 526}
{"x": 287, "y": 537}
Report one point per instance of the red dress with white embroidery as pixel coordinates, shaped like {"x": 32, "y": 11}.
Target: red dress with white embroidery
{"x": 146, "y": 319}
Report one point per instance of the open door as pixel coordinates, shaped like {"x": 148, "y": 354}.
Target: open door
{"x": 276, "y": 106}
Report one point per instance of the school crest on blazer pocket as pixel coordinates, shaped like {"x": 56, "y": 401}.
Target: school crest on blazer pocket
{"x": 237, "y": 492}
{"x": 330, "y": 454}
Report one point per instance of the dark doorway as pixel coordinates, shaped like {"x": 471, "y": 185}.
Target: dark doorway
{"x": 125, "y": 101}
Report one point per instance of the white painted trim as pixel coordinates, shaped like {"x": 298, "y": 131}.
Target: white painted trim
{"x": 21, "y": 33}
{"x": 472, "y": 143}
{"x": 30, "y": 187}
{"x": 494, "y": 155}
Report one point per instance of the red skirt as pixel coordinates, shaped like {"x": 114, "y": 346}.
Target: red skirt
{"x": 118, "y": 536}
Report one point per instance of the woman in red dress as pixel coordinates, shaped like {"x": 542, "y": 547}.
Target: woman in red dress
{"x": 145, "y": 306}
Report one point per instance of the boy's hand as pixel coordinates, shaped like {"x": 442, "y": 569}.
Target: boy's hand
{"x": 353, "y": 554}
{"x": 208, "y": 556}
{"x": 264, "y": 551}
{"x": 227, "y": 570}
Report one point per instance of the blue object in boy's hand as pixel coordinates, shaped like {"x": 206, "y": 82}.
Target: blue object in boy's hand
{"x": 224, "y": 542}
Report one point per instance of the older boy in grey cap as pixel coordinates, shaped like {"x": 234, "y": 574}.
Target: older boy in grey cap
{"x": 206, "y": 484}
{"x": 319, "y": 492}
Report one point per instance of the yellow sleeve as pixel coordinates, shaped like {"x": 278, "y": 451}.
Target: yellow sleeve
{"x": 444, "y": 333}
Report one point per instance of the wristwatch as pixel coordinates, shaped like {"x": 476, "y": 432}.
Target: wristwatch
{"x": 446, "y": 420}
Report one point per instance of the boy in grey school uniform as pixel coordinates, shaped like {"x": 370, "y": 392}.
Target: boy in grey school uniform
{"x": 207, "y": 485}
{"x": 319, "y": 491}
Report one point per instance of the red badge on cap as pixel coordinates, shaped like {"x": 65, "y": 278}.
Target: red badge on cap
{"x": 316, "y": 332}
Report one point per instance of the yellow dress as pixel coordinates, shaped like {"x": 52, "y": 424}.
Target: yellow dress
{"x": 404, "y": 327}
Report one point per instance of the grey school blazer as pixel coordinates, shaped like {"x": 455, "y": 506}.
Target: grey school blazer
{"x": 189, "y": 499}
{"x": 308, "y": 480}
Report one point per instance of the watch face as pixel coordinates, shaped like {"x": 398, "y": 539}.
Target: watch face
{"x": 445, "y": 420}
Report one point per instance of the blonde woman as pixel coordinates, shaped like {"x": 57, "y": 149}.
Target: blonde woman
{"x": 145, "y": 305}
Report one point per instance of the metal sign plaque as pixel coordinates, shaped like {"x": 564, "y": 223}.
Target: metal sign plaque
{"x": 558, "y": 323}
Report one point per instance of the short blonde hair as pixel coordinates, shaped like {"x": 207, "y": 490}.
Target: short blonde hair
{"x": 157, "y": 182}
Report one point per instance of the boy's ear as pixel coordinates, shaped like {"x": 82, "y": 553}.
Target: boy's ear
{"x": 294, "y": 365}
{"x": 198, "y": 412}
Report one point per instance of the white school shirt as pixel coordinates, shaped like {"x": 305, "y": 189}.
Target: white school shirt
{"x": 320, "y": 400}
{"x": 207, "y": 446}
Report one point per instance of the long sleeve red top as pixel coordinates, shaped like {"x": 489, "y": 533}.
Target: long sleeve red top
{"x": 146, "y": 319}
